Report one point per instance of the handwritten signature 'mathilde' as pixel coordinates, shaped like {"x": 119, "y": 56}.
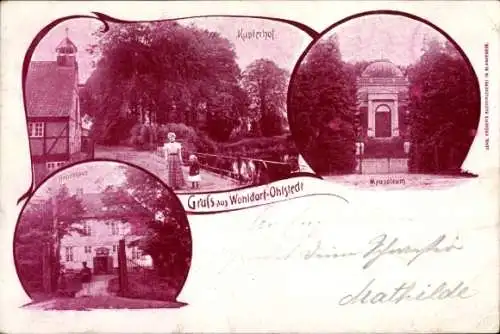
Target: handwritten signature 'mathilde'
{"x": 407, "y": 291}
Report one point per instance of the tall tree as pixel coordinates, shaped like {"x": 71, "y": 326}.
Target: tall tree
{"x": 322, "y": 107}
{"x": 444, "y": 109}
{"x": 162, "y": 223}
{"x": 266, "y": 85}
{"x": 45, "y": 221}
{"x": 162, "y": 72}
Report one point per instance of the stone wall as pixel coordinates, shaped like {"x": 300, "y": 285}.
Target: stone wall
{"x": 383, "y": 165}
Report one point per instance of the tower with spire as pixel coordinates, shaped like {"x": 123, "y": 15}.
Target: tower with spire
{"x": 66, "y": 52}
{"x": 55, "y": 129}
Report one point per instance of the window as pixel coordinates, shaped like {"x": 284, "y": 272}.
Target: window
{"x": 114, "y": 228}
{"x": 383, "y": 108}
{"x": 86, "y": 228}
{"x": 88, "y": 249}
{"x": 35, "y": 129}
{"x": 136, "y": 253}
{"x": 69, "y": 254}
{"x": 53, "y": 165}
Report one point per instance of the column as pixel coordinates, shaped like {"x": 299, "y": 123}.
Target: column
{"x": 371, "y": 119}
{"x": 395, "y": 118}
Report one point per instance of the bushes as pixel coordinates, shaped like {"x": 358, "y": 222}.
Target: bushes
{"x": 149, "y": 137}
{"x": 332, "y": 151}
{"x": 272, "y": 148}
{"x": 266, "y": 148}
{"x": 146, "y": 285}
{"x": 70, "y": 284}
{"x": 143, "y": 137}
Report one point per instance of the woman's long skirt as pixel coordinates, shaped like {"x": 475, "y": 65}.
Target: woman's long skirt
{"x": 175, "y": 178}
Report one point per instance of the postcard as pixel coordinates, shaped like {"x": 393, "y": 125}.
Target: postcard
{"x": 287, "y": 166}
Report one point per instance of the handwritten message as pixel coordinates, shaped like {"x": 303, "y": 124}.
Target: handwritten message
{"x": 311, "y": 246}
{"x": 310, "y": 238}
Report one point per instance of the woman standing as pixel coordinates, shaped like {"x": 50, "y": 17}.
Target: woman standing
{"x": 172, "y": 149}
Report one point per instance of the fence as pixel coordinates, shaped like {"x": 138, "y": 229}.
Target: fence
{"x": 245, "y": 170}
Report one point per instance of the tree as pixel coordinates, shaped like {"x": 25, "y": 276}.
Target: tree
{"x": 360, "y": 66}
{"x": 45, "y": 221}
{"x": 266, "y": 85}
{"x": 444, "y": 109}
{"x": 165, "y": 73}
{"x": 161, "y": 222}
{"x": 322, "y": 108}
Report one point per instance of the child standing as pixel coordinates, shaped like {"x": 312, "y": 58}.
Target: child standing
{"x": 194, "y": 171}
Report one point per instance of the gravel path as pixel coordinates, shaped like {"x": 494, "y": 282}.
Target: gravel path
{"x": 156, "y": 165}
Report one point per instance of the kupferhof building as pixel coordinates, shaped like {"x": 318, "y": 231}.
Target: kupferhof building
{"x": 383, "y": 143}
{"x": 54, "y": 118}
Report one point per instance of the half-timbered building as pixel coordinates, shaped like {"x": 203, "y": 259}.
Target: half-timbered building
{"x": 53, "y": 112}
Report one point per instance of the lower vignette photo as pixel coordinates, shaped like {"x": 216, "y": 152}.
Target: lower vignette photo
{"x": 99, "y": 235}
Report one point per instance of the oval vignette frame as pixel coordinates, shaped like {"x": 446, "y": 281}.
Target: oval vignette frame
{"x": 117, "y": 163}
{"x": 294, "y": 124}
{"x": 105, "y": 20}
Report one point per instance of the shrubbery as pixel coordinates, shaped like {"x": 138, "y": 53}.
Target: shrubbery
{"x": 143, "y": 137}
{"x": 150, "y": 137}
{"x": 146, "y": 285}
{"x": 266, "y": 148}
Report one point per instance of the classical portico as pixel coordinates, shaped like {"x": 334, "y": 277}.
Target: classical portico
{"x": 382, "y": 90}
{"x": 382, "y": 105}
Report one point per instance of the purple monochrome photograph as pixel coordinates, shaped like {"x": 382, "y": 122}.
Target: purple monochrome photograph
{"x": 385, "y": 100}
{"x": 198, "y": 102}
{"x": 102, "y": 235}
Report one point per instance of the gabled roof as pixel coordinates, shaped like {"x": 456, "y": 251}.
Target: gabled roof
{"x": 50, "y": 89}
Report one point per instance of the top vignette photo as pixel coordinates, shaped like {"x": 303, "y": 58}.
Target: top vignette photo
{"x": 199, "y": 102}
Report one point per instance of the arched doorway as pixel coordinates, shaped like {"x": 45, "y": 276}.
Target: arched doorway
{"x": 383, "y": 121}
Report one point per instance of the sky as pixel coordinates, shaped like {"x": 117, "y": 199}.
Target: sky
{"x": 80, "y": 32}
{"x": 92, "y": 177}
{"x": 284, "y": 46}
{"x": 371, "y": 37}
